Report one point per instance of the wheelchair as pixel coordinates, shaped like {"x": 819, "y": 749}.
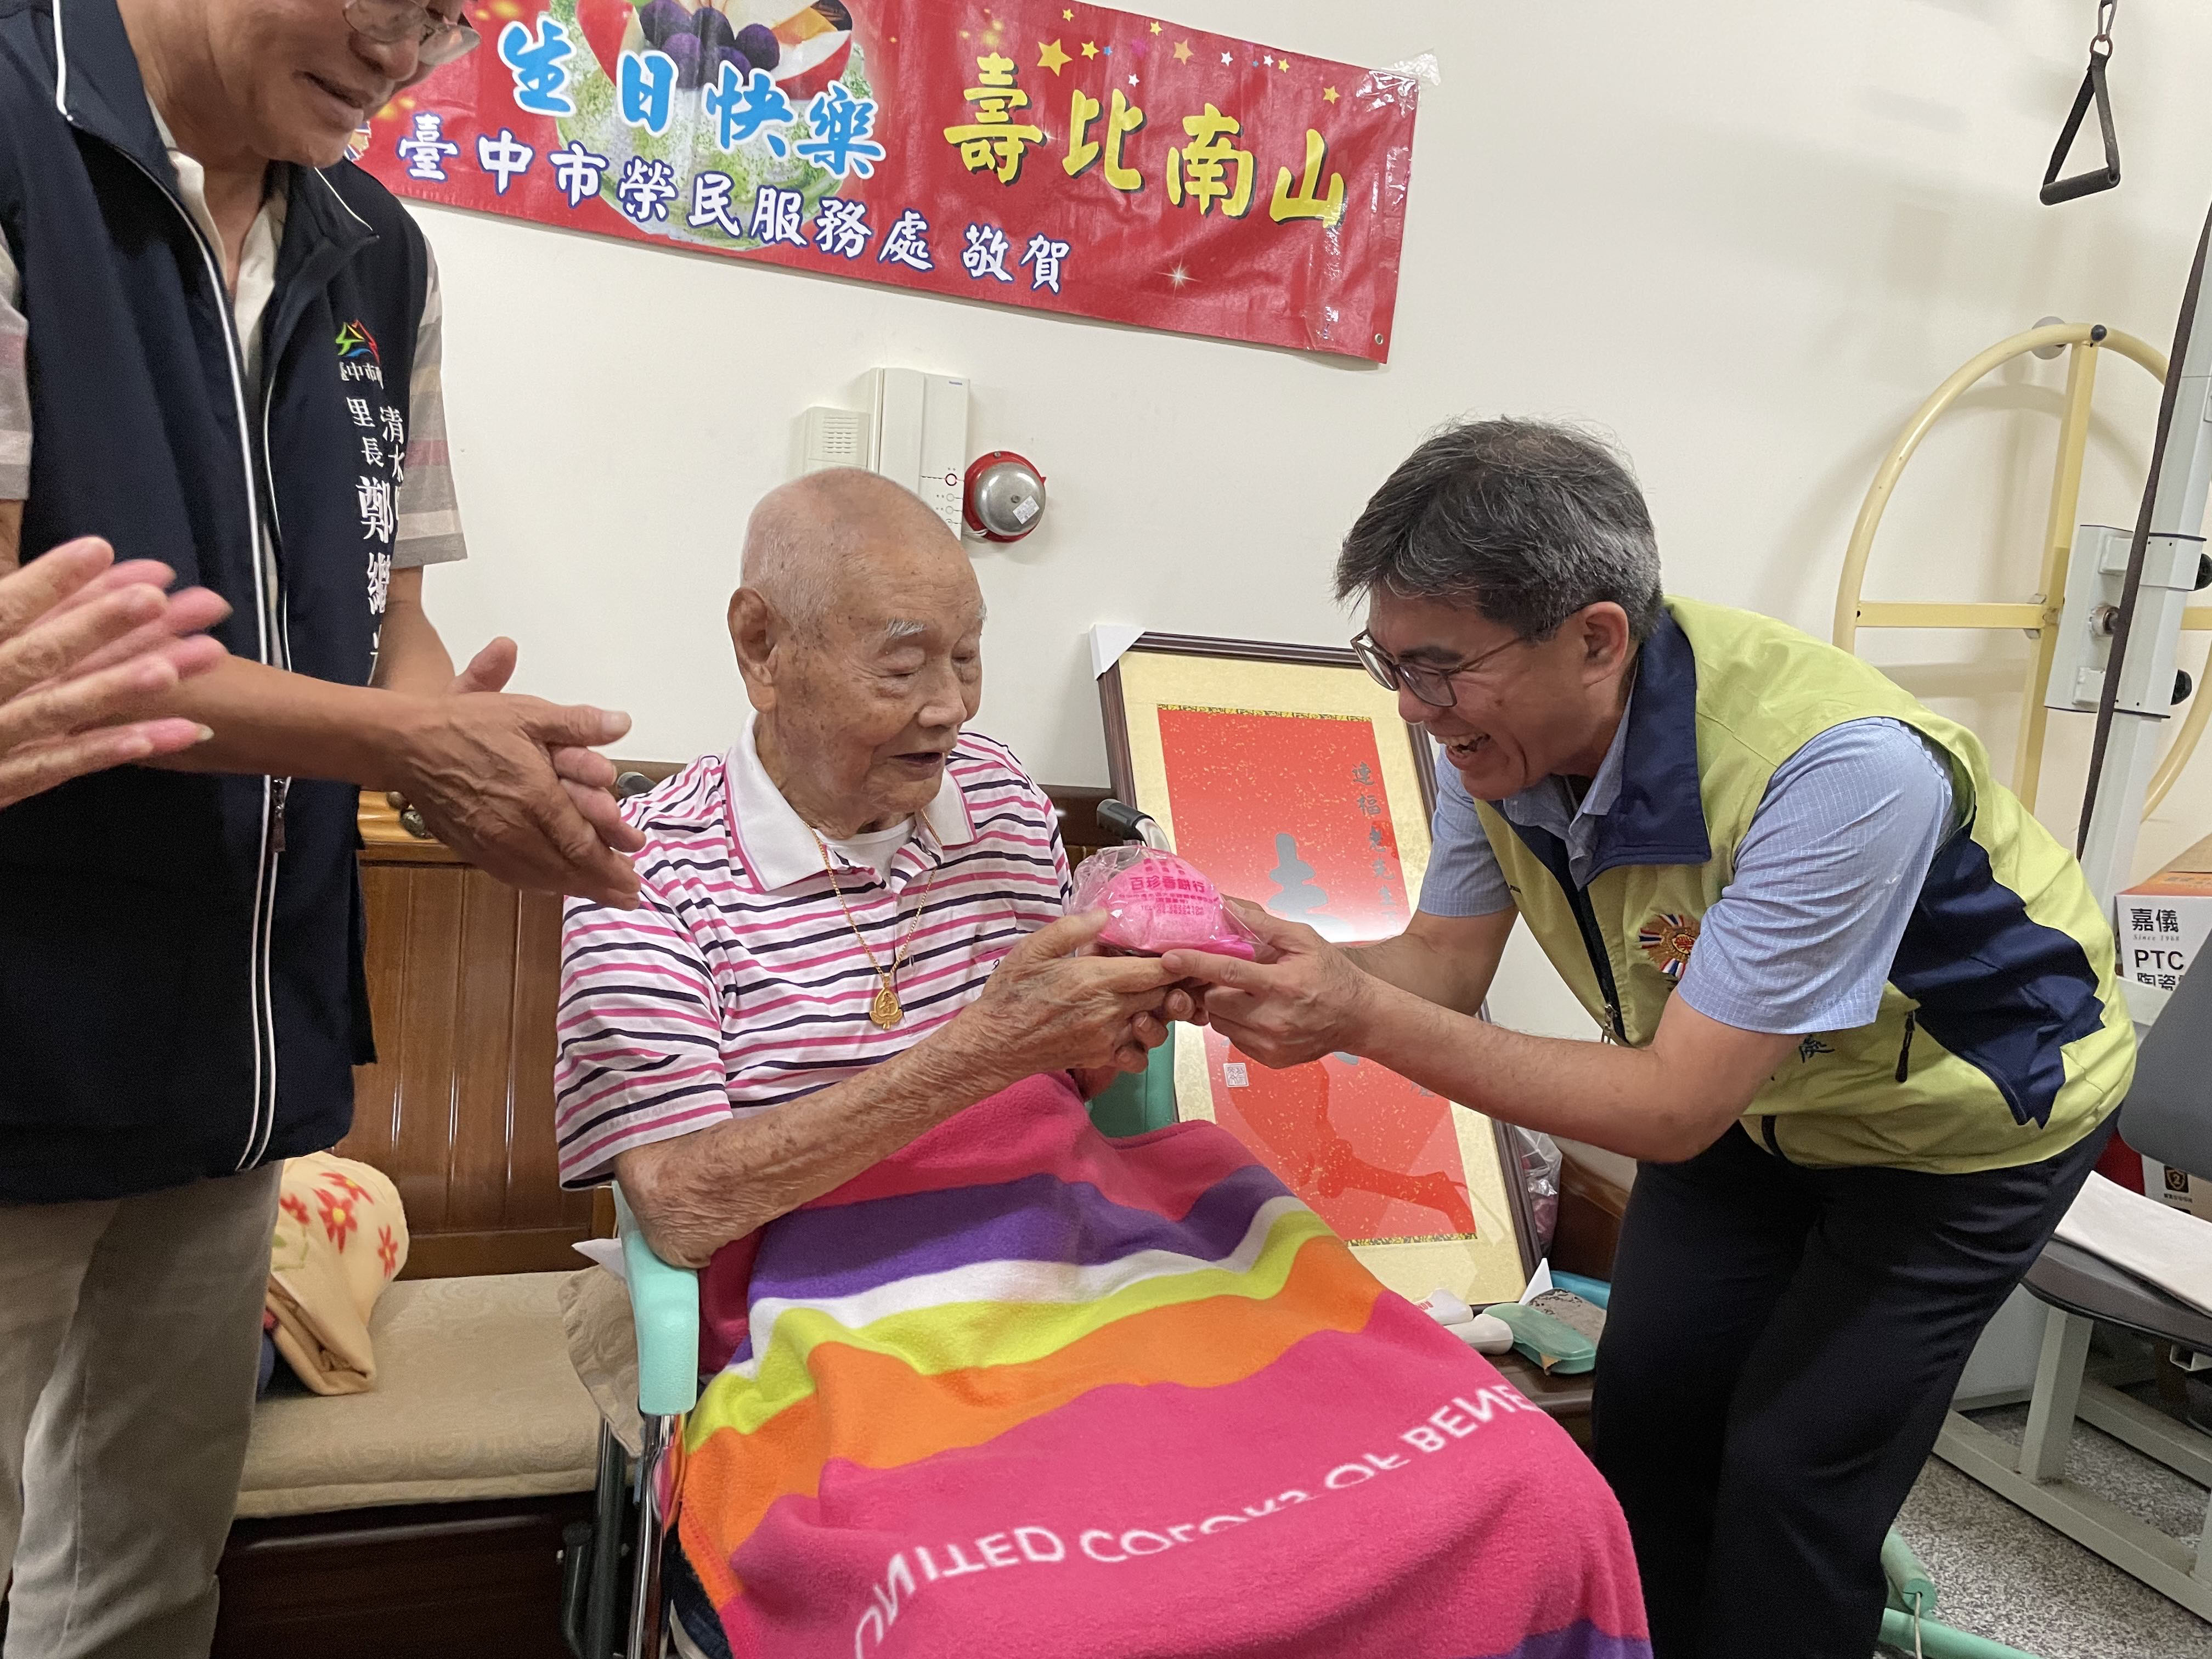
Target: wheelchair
{"x": 613, "y": 1601}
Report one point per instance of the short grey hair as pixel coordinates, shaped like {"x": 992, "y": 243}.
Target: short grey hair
{"x": 1525, "y": 522}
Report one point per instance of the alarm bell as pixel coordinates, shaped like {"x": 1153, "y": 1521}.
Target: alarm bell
{"x": 1004, "y": 496}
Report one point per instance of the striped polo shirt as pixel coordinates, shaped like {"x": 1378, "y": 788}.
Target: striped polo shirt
{"x": 739, "y": 982}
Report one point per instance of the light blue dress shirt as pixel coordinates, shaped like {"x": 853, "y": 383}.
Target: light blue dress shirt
{"x": 1803, "y": 937}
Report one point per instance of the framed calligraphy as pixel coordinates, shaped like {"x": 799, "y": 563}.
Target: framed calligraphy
{"x": 1286, "y": 773}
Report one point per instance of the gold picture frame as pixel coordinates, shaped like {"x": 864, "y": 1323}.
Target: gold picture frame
{"x": 1246, "y": 752}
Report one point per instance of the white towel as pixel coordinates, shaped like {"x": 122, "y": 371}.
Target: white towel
{"x": 2166, "y": 1246}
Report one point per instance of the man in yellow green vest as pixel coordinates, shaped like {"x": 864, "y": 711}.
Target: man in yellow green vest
{"x": 1862, "y": 1027}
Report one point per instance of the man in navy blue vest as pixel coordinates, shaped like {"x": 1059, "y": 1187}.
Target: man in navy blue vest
{"x": 218, "y": 344}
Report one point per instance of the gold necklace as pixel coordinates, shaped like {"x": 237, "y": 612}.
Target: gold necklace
{"x": 885, "y": 1009}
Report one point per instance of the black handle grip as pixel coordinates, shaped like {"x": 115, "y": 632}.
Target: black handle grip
{"x": 2081, "y": 185}
{"x": 2057, "y": 190}
{"x": 1123, "y": 819}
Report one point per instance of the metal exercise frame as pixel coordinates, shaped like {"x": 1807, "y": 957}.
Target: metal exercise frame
{"x": 2040, "y": 617}
{"x": 2134, "y": 700}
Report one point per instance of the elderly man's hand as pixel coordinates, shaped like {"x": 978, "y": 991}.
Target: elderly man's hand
{"x": 1047, "y": 1008}
{"x": 87, "y": 648}
{"x": 1306, "y": 998}
{"x": 480, "y": 767}
{"x": 1147, "y": 1032}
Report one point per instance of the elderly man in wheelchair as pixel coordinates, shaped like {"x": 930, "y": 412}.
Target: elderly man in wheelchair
{"x": 959, "y": 1374}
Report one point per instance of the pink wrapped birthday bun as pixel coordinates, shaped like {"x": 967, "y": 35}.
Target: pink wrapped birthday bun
{"x": 1158, "y": 903}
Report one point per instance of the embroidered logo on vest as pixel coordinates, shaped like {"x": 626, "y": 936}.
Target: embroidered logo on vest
{"x": 355, "y": 340}
{"x": 1667, "y": 939}
{"x": 381, "y": 431}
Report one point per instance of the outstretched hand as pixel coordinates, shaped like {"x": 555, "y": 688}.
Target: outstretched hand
{"x": 1302, "y": 999}
{"x": 88, "y": 649}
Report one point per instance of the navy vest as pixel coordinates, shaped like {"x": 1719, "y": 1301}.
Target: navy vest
{"x": 180, "y": 983}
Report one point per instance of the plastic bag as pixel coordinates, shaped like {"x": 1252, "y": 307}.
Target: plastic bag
{"x": 1539, "y": 1159}
{"x": 1158, "y": 903}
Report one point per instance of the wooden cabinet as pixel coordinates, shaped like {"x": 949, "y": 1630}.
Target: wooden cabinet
{"x": 425, "y": 1581}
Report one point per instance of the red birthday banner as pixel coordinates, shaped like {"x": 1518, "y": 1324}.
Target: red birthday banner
{"x": 1066, "y": 158}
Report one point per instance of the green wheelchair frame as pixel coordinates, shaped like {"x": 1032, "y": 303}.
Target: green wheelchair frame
{"x": 613, "y": 1606}
{"x": 1905, "y": 1625}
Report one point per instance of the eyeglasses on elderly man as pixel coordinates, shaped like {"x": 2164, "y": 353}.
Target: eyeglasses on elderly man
{"x": 838, "y": 1060}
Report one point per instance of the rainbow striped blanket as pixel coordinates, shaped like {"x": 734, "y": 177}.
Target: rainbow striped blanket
{"x": 1024, "y": 1391}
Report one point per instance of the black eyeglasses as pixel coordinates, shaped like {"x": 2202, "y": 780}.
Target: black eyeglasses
{"x": 438, "y": 39}
{"x": 1433, "y": 686}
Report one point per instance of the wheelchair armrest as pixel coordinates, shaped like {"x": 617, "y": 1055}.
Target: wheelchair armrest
{"x": 664, "y": 1305}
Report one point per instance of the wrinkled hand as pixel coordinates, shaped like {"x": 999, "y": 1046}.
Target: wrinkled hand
{"x": 505, "y": 782}
{"x": 586, "y": 774}
{"x": 86, "y": 646}
{"x": 1306, "y": 998}
{"x": 1046, "y": 1008}
{"x": 1147, "y": 1031}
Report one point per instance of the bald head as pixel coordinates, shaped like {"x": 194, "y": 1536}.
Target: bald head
{"x": 815, "y": 544}
{"x": 859, "y": 630}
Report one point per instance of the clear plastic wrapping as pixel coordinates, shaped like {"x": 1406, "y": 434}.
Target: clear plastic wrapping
{"x": 1158, "y": 903}
{"x": 1539, "y": 1159}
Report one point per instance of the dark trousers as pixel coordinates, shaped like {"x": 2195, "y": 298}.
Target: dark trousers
{"x": 1781, "y": 1347}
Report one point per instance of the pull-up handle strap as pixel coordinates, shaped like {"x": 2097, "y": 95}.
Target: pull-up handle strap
{"x": 2057, "y": 190}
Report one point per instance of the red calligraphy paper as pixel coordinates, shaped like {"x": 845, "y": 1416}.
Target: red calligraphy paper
{"x": 1066, "y": 158}
{"x": 1291, "y": 811}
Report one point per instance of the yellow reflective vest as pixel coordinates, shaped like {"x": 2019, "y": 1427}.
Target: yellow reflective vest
{"x": 2001, "y": 1037}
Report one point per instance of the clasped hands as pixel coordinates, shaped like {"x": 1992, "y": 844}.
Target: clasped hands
{"x": 1055, "y": 1003}
{"x": 92, "y": 653}
{"x": 89, "y": 650}
{"x": 1303, "y": 998}
{"x": 515, "y": 785}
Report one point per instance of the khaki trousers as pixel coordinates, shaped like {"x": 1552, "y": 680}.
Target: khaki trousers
{"x": 130, "y": 1336}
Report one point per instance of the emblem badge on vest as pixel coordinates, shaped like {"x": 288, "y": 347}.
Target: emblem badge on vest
{"x": 1667, "y": 939}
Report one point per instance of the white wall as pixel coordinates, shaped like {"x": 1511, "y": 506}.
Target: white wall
{"x": 1746, "y": 236}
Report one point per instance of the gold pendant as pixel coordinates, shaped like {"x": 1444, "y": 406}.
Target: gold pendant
{"x": 885, "y": 1011}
